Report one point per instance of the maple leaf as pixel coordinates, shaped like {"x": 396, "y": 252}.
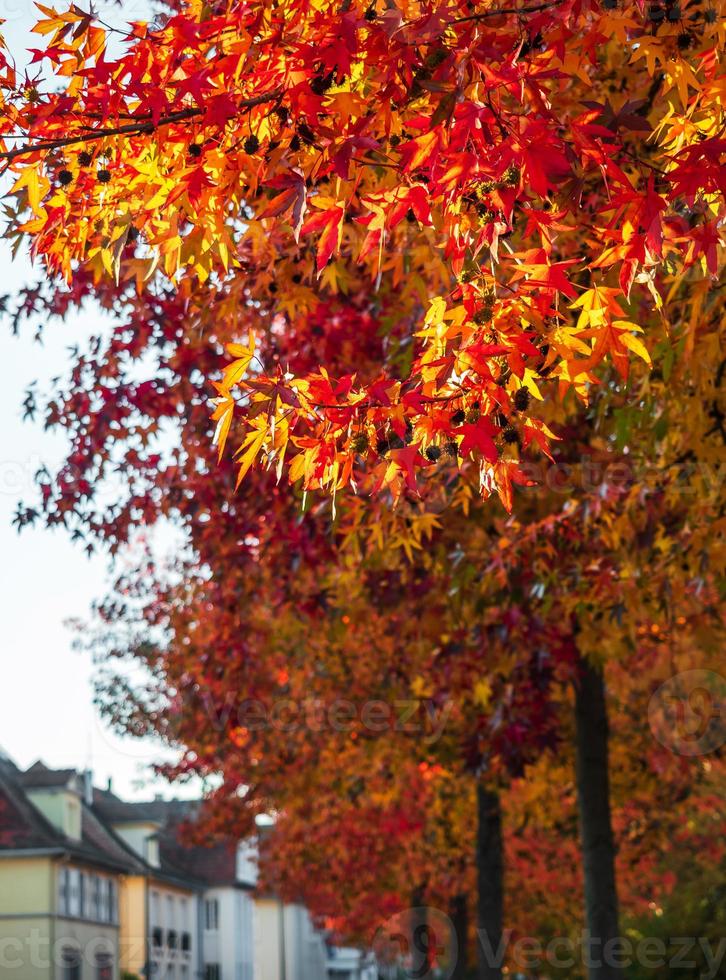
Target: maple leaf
{"x": 330, "y": 224}
{"x": 479, "y": 438}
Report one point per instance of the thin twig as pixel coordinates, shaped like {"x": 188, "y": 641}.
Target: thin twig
{"x": 500, "y": 11}
{"x": 143, "y": 123}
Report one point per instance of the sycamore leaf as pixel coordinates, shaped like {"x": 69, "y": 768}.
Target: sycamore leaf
{"x": 330, "y": 224}
{"x": 250, "y": 448}
{"x": 633, "y": 343}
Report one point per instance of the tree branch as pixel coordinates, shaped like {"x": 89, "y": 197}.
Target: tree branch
{"x": 141, "y": 124}
{"x": 500, "y": 11}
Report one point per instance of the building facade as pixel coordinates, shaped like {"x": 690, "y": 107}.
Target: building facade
{"x": 160, "y": 900}
{"x": 60, "y": 879}
{"x": 95, "y": 888}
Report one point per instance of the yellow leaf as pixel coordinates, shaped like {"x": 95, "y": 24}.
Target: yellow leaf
{"x": 253, "y": 444}
{"x": 482, "y": 693}
{"x": 635, "y": 344}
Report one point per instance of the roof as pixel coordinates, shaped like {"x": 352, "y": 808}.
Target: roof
{"x": 167, "y": 815}
{"x": 161, "y": 812}
{"x": 215, "y": 865}
{"x": 40, "y": 776}
{"x": 23, "y": 827}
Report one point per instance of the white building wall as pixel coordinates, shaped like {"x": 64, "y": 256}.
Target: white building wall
{"x": 172, "y": 911}
{"x": 304, "y": 949}
{"x": 231, "y": 945}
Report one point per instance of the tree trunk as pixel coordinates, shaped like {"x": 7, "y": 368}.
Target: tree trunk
{"x": 420, "y": 968}
{"x": 489, "y": 865}
{"x": 460, "y": 922}
{"x": 596, "y": 833}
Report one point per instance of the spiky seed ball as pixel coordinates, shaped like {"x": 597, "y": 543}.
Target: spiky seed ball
{"x": 195, "y": 150}
{"x": 433, "y": 453}
{"x": 610, "y": 4}
{"x": 394, "y": 139}
{"x": 510, "y": 434}
{"x": 319, "y": 85}
{"x": 674, "y": 13}
{"x": 437, "y": 57}
{"x": 684, "y": 41}
{"x": 521, "y": 399}
{"x": 382, "y": 446}
{"x": 103, "y": 176}
{"x": 656, "y": 13}
{"x": 458, "y": 417}
{"x": 473, "y": 416}
{"x": 359, "y": 442}
{"x": 84, "y": 158}
{"x": 710, "y": 16}
{"x": 251, "y": 144}
{"x": 512, "y": 175}
{"x": 65, "y": 177}
{"x": 306, "y": 133}
{"x": 452, "y": 449}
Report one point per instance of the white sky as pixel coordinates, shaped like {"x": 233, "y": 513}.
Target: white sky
{"x": 46, "y": 708}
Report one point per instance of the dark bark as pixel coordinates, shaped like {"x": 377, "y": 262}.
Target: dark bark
{"x": 490, "y": 888}
{"x": 460, "y": 923}
{"x": 420, "y": 937}
{"x": 596, "y": 833}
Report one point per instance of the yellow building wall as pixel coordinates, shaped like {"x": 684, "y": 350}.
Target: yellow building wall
{"x": 91, "y": 938}
{"x": 132, "y": 917}
{"x": 61, "y": 808}
{"x": 27, "y": 886}
{"x": 26, "y": 948}
{"x": 267, "y": 965}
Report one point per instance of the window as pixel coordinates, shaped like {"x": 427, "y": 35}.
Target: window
{"x": 82, "y": 894}
{"x": 186, "y": 942}
{"x": 172, "y": 940}
{"x": 184, "y": 913}
{"x": 70, "y": 964}
{"x": 211, "y": 914}
{"x": 157, "y": 937}
{"x": 104, "y": 966}
{"x": 109, "y": 901}
{"x": 95, "y": 909}
{"x": 74, "y": 902}
{"x": 155, "y": 910}
{"x": 212, "y": 972}
{"x": 63, "y": 891}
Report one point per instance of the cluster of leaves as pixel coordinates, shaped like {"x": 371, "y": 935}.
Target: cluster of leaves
{"x": 473, "y": 170}
{"x": 408, "y": 227}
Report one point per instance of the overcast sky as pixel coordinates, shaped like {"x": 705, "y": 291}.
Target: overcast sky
{"x": 46, "y": 706}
